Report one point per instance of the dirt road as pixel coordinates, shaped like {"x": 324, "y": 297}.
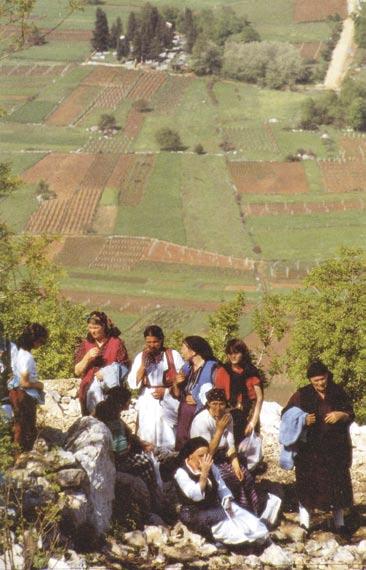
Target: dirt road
{"x": 343, "y": 52}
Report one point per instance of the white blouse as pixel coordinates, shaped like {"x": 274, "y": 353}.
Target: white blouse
{"x": 204, "y": 425}
{"x": 193, "y": 490}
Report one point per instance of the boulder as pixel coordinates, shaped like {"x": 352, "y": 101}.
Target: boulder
{"x": 276, "y": 556}
{"x": 90, "y": 441}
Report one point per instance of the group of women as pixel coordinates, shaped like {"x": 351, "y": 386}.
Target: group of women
{"x": 200, "y": 410}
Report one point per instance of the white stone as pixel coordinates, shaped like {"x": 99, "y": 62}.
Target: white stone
{"x": 361, "y": 547}
{"x": 136, "y": 538}
{"x": 253, "y": 561}
{"x": 276, "y": 556}
{"x": 343, "y": 556}
{"x": 329, "y": 548}
{"x": 91, "y": 443}
{"x": 156, "y": 535}
{"x": 77, "y": 507}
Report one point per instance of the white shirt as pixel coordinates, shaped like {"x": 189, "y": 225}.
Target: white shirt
{"x": 25, "y": 363}
{"x": 192, "y": 489}
{"x": 204, "y": 425}
{"x": 155, "y": 371}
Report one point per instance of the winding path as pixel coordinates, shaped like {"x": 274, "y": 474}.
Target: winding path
{"x": 343, "y": 52}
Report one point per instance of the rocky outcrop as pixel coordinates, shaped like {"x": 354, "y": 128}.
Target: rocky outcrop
{"x": 90, "y": 442}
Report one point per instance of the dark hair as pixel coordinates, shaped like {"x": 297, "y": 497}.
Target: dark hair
{"x": 246, "y": 362}
{"x": 318, "y": 368}
{"x": 216, "y": 395}
{"x": 190, "y": 447}
{"x": 100, "y": 318}
{"x": 200, "y": 346}
{"x": 154, "y": 330}
{"x": 31, "y": 333}
{"x": 116, "y": 397}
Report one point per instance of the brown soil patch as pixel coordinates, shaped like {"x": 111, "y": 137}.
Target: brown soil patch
{"x": 310, "y": 50}
{"x": 131, "y": 189}
{"x": 69, "y": 35}
{"x": 343, "y": 175}
{"x": 105, "y": 219}
{"x": 63, "y": 172}
{"x": 354, "y": 147}
{"x": 79, "y": 252}
{"x": 120, "y": 171}
{"x": 74, "y": 105}
{"x": 147, "y": 84}
{"x": 269, "y": 177}
{"x": 315, "y": 10}
{"x": 324, "y": 207}
{"x": 134, "y": 123}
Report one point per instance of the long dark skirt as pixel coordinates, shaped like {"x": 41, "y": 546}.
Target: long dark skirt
{"x": 322, "y": 482}
{"x": 244, "y": 491}
{"x": 185, "y": 417}
{"x": 25, "y": 415}
{"x": 201, "y": 520}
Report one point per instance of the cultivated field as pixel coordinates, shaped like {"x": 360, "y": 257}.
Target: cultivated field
{"x": 344, "y": 175}
{"x": 313, "y": 10}
{"x": 268, "y": 177}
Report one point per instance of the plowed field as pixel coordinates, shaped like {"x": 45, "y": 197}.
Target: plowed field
{"x": 277, "y": 208}
{"x": 343, "y": 175}
{"x": 269, "y": 177}
{"x": 317, "y": 10}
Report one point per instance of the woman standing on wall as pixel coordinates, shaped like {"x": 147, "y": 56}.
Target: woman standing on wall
{"x": 101, "y": 347}
{"x": 25, "y": 390}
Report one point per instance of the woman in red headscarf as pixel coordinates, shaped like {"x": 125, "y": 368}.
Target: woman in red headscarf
{"x": 101, "y": 347}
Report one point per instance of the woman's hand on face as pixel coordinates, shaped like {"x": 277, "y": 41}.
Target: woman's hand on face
{"x": 334, "y": 417}
{"x": 223, "y": 422}
{"x": 310, "y": 419}
{"x": 147, "y": 446}
{"x": 206, "y": 464}
{"x": 190, "y": 400}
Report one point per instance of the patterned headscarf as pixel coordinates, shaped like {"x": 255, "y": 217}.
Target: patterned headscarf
{"x": 216, "y": 395}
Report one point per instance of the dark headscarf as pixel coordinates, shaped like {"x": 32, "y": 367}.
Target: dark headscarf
{"x": 190, "y": 447}
{"x": 317, "y": 368}
{"x": 216, "y": 395}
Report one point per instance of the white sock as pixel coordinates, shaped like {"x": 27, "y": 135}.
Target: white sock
{"x": 304, "y": 516}
{"x": 338, "y": 517}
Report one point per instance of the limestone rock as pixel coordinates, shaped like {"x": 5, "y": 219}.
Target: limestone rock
{"x": 72, "y": 478}
{"x": 276, "y": 556}
{"x": 156, "y": 535}
{"x": 253, "y": 561}
{"x": 343, "y": 556}
{"x": 136, "y": 538}
{"x": 90, "y": 441}
{"x": 181, "y": 553}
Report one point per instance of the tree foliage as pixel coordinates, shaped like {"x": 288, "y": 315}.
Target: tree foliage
{"x": 206, "y": 57}
{"x": 100, "y": 40}
{"x": 107, "y": 122}
{"x": 8, "y": 182}
{"x": 271, "y": 64}
{"x": 148, "y": 33}
{"x": 30, "y": 291}
{"x": 346, "y": 109}
{"x": 224, "y": 324}
{"x": 168, "y": 139}
{"x": 326, "y": 319}
{"x": 115, "y": 33}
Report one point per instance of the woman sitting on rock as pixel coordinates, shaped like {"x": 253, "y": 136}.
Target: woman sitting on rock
{"x": 101, "y": 347}
{"x": 215, "y": 424}
{"x": 130, "y": 452}
{"x": 208, "y": 506}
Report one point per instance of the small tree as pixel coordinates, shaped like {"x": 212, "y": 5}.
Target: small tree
{"x": 36, "y": 37}
{"x": 107, "y": 122}
{"x": 206, "y": 57}
{"x": 123, "y": 48}
{"x": 198, "y": 149}
{"x": 142, "y": 105}
{"x": 8, "y": 182}
{"x": 100, "y": 39}
{"x": 168, "y": 139}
